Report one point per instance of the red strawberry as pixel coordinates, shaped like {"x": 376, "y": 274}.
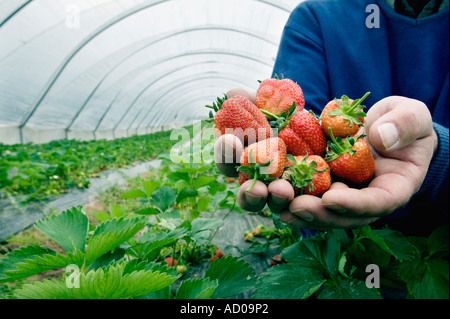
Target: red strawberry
{"x": 350, "y": 158}
{"x": 264, "y": 160}
{"x": 276, "y": 260}
{"x": 242, "y": 178}
{"x": 300, "y": 130}
{"x": 343, "y": 116}
{"x": 303, "y": 135}
{"x": 230, "y": 180}
{"x": 218, "y": 255}
{"x": 309, "y": 174}
{"x": 170, "y": 261}
{"x": 277, "y": 95}
{"x": 239, "y": 116}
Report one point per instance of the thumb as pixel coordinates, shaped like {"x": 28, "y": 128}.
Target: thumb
{"x": 395, "y": 122}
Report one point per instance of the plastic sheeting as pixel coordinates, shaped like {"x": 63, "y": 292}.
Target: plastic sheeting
{"x": 90, "y": 69}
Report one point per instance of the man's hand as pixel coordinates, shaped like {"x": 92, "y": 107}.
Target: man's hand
{"x": 400, "y": 132}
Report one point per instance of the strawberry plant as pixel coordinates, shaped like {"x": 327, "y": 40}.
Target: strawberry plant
{"x": 38, "y": 172}
{"x": 332, "y": 265}
{"x": 113, "y": 261}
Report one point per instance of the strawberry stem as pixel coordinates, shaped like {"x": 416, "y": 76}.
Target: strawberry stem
{"x": 254, "y": 181}
{"x": 269, "y": 114}
{"x": 358, "y": 102}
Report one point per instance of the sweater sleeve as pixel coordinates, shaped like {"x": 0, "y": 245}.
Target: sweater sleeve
{"x": 301, "y": 58}
{"x": 436, "y": 184}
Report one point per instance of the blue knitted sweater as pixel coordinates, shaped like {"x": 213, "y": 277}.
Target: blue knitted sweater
{"x": 329, "y": 50}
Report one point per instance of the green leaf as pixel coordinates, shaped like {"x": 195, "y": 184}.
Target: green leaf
{"x": 203, "y": 181}
{"x": 203, "y": 203}
{"x": 201, "y": 224}
{"x": 185, "y": 193}
{"x": 101, "y": 216}
{"x": 397, "y": 244}
{"x": 349, "y": 289}
{"x": 288, "y": 281}
{"x": 148, "y": 211}
{"x": 163, "y": 197}
{"x": 196, "y": 289}
{"x": 150, "y": 187}
{"x": 110, "y": 234}
{"x": 31, "y": 260}
{"x": 116, "y": 210}
{"x": 320, "y": 252}
{"x": 426, "y": 279}
{"x": 234, "y": 276}
{"x": 134, "y": 193}
{"x": 109, "y": 283}
{"x": 438, "y": 241}
{"x": 68, "y": 229}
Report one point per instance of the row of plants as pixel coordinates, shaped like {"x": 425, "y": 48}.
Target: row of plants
{"x": 128, "y": 257}
{"x": 156, "y": 240}
{"x": 33, "y": 172}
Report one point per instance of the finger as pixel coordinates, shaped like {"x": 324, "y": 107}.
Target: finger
{"x": 333, "y": 222}
{"x": 227, "y": 152}
{"x": 239, "y": 91}
{"x": 281, "y": 193}
{"x": 384, "y": 194}
{"x": 255, "y": 199}
{"x": 396, "y": 122}
{"x": 308, "y": 212}
{"x": 338, "y": 185}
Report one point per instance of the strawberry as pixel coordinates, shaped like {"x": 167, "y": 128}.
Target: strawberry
{"x": 181, "y": 269}
{"x": 239, "y": 116}
{"x": 343, "y": 116}
{"x": 170, "y": 261}
{"x": 304, "y": 135}
{"x": 350, "y": 158}
{"x": 218, "y": 255}
{"x": 300, "y": 130}
{"x": 230, "y": 180}
{"x": 309, "y": 174}
{"x": 277, "y": 95}
{"x": 276, "y": 260}
{"x": 264, "y": 160}
{"x": 242, "y": 178}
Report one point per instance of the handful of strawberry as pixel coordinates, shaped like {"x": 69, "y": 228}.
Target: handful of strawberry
{"x": 291, "y": 143}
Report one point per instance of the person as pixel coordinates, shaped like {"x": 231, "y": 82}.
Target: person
{"x": 398, "y": 50}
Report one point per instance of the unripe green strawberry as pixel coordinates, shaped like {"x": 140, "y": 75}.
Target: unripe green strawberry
{"x": 350, "y": 159}
{"x": 343, "y": 116}
{"x": 264, "y": 160}
{"x": 309, "y": 174}
{"x": 277, "y": 95}
{"x": 237, "y": 115}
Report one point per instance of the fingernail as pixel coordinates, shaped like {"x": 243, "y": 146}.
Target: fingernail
{"x": 279, "y": 199}
{"x": 304, "y": 214}
{"x": 251, "y": 199}
{"x": 389, "y": 134}
{"x": 336, "y": 207}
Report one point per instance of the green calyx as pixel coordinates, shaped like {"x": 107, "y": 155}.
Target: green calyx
{"x": 282, "y": 120}
{"x": 350, "y": 112}
{"x": 338, "y": 146}
{"x": 301, "y": 174}
{"x": 216, "y": 106}
{"x": 255, "y": 171}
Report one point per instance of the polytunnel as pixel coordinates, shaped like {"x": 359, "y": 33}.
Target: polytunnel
{"x": 104, "y": 69}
